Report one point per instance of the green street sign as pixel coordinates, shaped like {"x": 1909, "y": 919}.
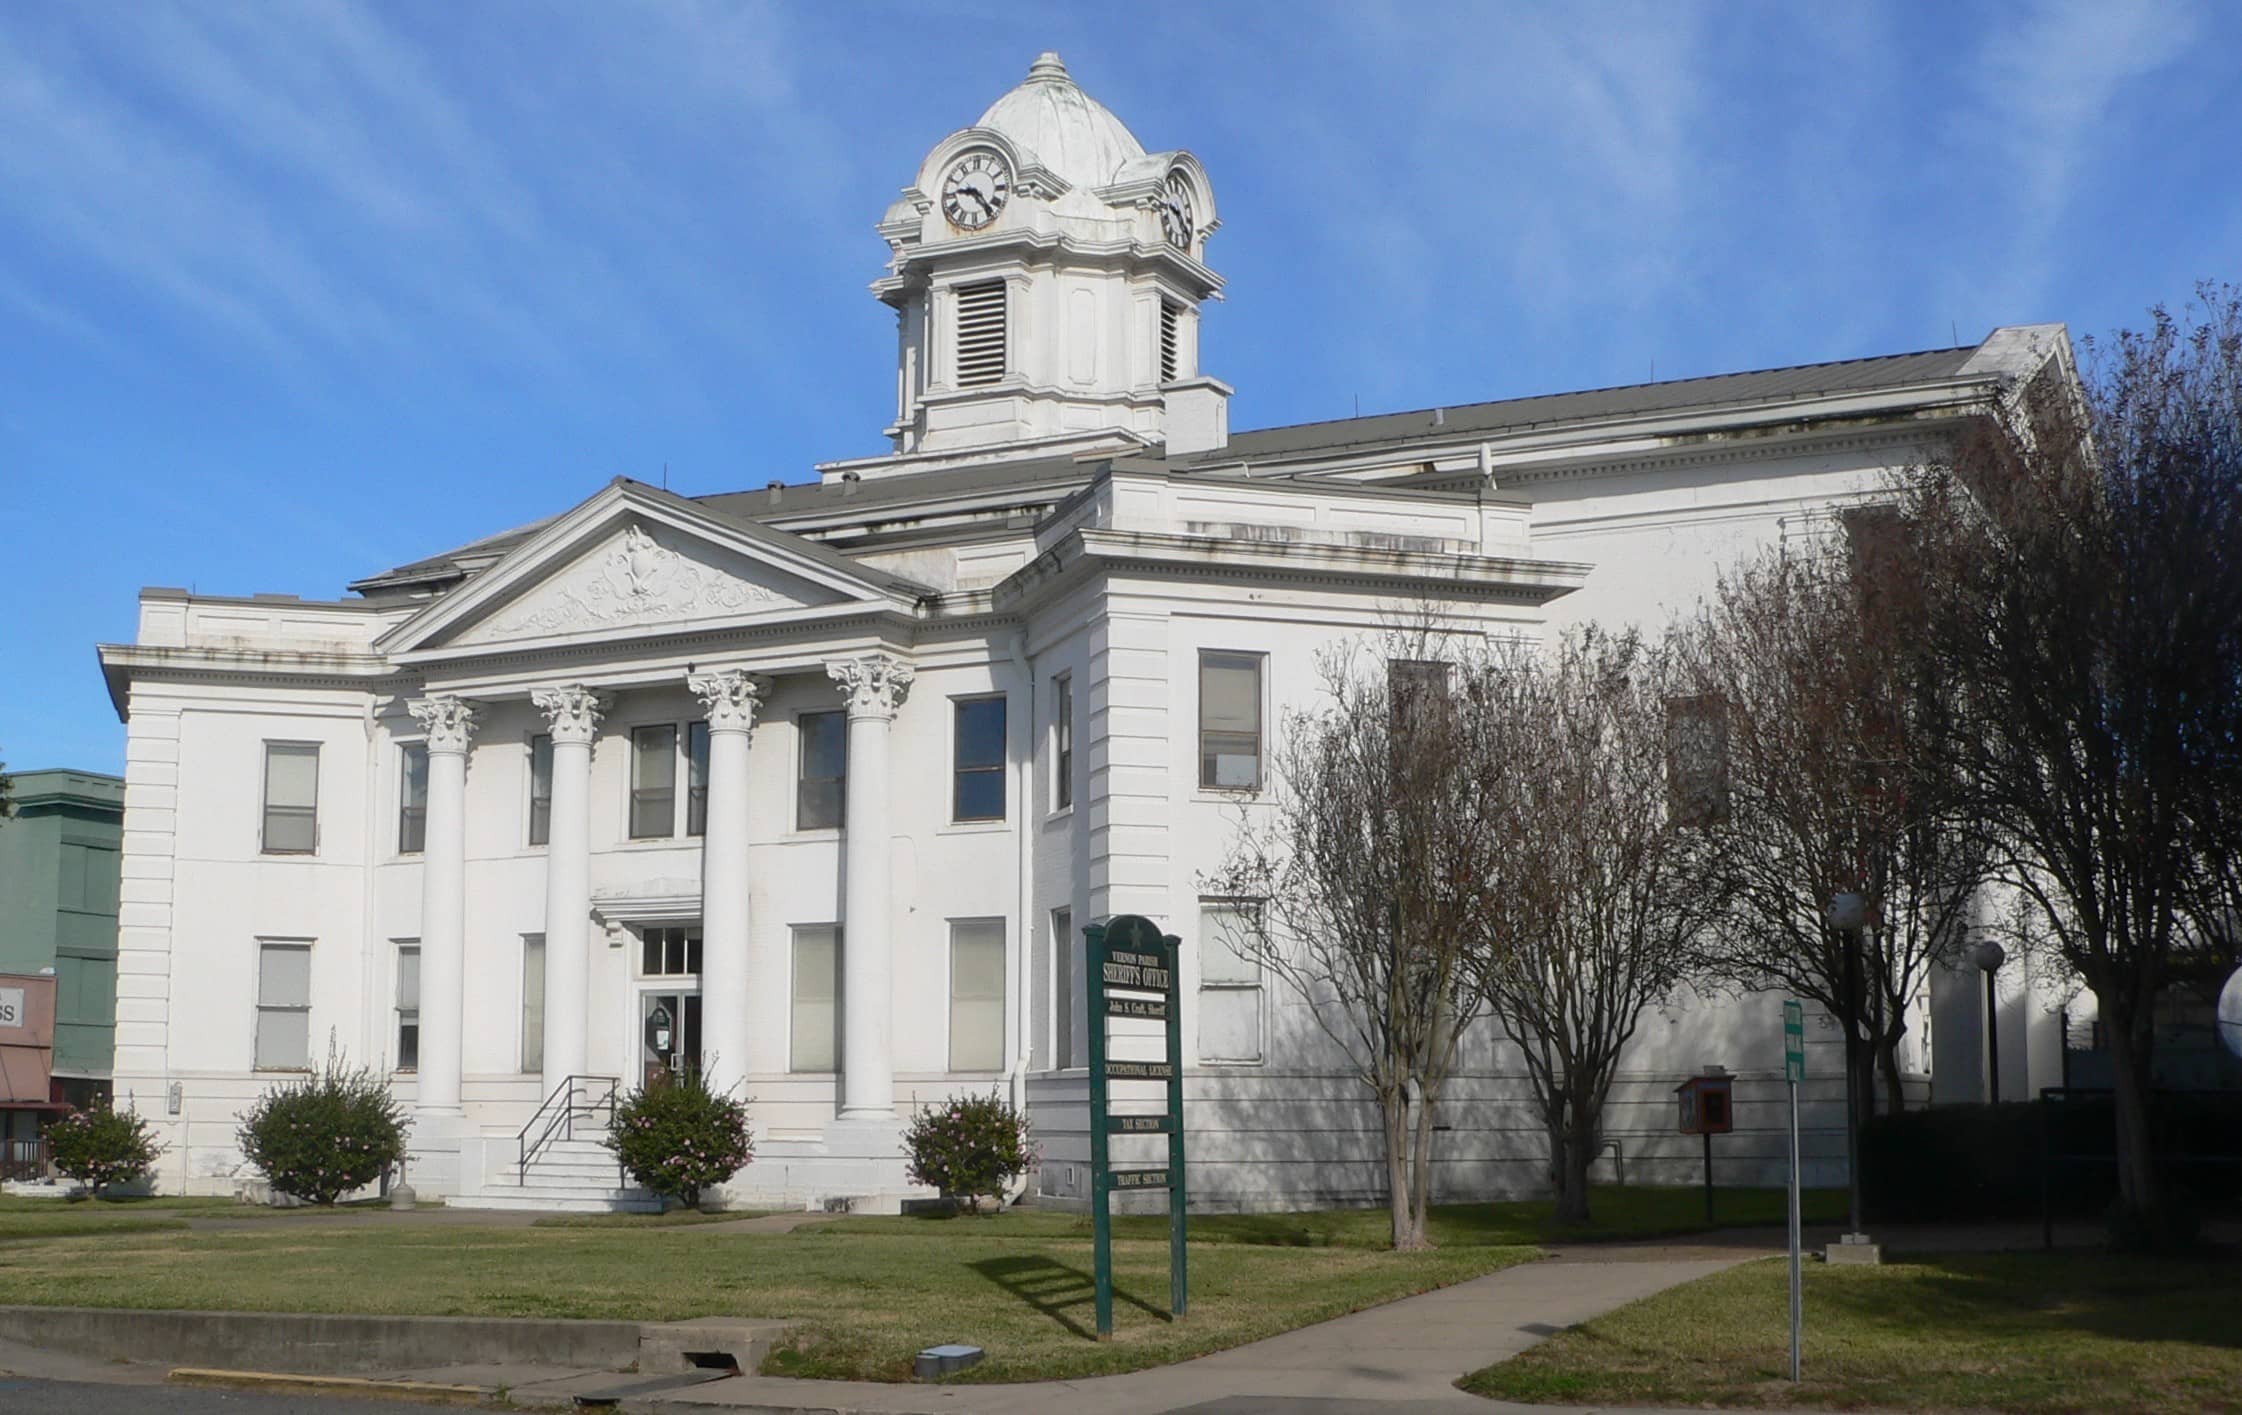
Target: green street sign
{"x": 1132, "y": 975}
{"x": 1794, "y": 1041}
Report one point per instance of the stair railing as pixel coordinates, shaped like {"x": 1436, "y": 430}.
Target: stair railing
{"x": 556, "y": 1117}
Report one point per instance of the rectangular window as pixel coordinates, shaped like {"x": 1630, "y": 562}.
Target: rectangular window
{"x": 1697, "y": 760}
{"x": 814, "y": 1035}
{"x": 540, "y": 790}
{"x": 1062, "y": 784}
{"x": 653, "y": 782}
{"x": 408, "y": 1007}
{"x": 696, "y": 778}
{"x": 821, "y": 789}
{"x": 1169, "y": 318}
{"x": 283, "y": 1006}
{"x": 980, "y": 333}
{"x": 669, "y": 952}
{"x": 533, "y": 1002}
{"x": 977, "y": 994}
{"x": 1229, "y": 981}
{"x": 1229, "y": 721}
{"x": 291, "y": 798}
{"x": 978, "y": 758}
{"x": 1066, "y": 972}
{"x": 412, "y": 798}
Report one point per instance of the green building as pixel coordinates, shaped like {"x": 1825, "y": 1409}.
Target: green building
{"x": 58, "y": 909}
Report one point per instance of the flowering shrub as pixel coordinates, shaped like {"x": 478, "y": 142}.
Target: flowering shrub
{"x": 325, "y": 1134}
{"x": 970, "y": 1148}
{"x": 101, "y": 1147}
{"x": 676, "y": 1137}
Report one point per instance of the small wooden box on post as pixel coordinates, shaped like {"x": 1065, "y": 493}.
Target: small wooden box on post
{"x": 1132, "y": 976}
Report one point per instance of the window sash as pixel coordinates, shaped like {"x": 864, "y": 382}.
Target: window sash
{"x": 696, "y": 778}
{"x": 653, "y": 782}
{"x": 813, "y": 1030}
{"x": 669, "y": 952}
{"x": 821, "y": 783}
{"x": 291, "y": 805}
{"x": 977, "y": 757}
{"x": 1065, "y": 970}
{"x": 533, "y": 1002}
{"x": 412, "y": 798}
{"x": 540, "y": 789}
{"x": 1062, "y": 791}
{"x": 283, "y": 1031}
{"x": 977, "y": 995}
{"x": 1229, "y": 721}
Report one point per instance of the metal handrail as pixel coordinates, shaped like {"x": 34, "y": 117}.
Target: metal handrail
{"x": 562, "y": 1104}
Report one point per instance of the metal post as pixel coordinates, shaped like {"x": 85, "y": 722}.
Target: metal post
{"x": 1178, "y": 1201}
{"x": 1797, "y": 1287}
{"x": 1708, "y": 1179}
{"x": 1101, "y": 1211}
{"x": 1992, "y": 1041}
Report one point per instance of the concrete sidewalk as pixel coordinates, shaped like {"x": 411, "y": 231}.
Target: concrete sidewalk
{"x": 1402, "y": 1357}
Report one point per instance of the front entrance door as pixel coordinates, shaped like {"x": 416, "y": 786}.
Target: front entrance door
{"x": 669, "y": 1034}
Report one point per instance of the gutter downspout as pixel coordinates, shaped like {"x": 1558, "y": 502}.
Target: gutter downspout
{"x": 1016, "y": 1074}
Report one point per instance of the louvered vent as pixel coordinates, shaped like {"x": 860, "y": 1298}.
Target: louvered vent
{"x": 1168, "y": 319}
{"x": 980, "y": 334}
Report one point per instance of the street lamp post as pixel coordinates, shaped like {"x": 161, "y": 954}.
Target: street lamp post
{"x": 1848, "y": 915}
{"x": 1989, "y": 956}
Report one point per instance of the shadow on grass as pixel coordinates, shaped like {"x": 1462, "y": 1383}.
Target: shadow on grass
{"x": 2195, "y": 1300}
{"x": 1051, "y": 1287}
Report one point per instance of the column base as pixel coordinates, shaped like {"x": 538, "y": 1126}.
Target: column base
{"x": 434, "y": 1163}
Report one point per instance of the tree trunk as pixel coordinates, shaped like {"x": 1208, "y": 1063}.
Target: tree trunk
{"x": 1856, "y": 1071}
{"x": 2142, "y": 1219}
{"x": 1420, "y": 1193}
{"x": 1408, "y": 1226}
{"x": 1576, "y": 1155}
{"x": 1887, "y": 1061}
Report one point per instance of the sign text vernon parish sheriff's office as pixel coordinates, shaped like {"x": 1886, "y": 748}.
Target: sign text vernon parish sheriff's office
{"x": 1138, "y": 970}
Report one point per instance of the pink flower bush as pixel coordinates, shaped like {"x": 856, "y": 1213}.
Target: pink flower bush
{"x": 675, "y": 1137}
{"x": 970, "y": 1148}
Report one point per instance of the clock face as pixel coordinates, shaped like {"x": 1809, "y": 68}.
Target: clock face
{"x": 1175, "y": 213}
{"x": 975, "y": 190}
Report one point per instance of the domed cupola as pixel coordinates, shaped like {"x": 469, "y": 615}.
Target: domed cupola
{"x": 1047, "y": 274}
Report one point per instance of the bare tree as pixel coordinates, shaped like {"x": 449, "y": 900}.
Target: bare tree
{"x": 1594, "y": 916}
{"x": 1372, "y": 854}
{"x": 2083, "y": 570}
{"x": 1827, "y": 706}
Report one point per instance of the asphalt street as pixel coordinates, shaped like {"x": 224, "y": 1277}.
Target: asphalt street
{"x": 19, "y": 1396}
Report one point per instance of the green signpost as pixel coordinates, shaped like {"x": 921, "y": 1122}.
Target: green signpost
{"x": 1132, "y": 968}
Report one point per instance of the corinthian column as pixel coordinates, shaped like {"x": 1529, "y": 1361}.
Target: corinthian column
{"x": 731, "y": 697}
{"x": 572, "y": 715}
{"x": 449, "y": 722}
{"x": 875, "y": 685}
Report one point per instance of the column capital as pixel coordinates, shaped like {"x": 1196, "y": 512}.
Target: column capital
{"x": 572, "y": 711}
{"x": 875, "y": 684}
{"x": 731, "y": 696}
{"x": 449, "y": 721}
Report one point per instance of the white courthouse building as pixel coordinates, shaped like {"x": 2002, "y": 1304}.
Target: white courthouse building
{"x": 813, "y": 785}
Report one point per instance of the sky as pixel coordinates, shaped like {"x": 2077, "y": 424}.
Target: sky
{"x": 292, "y": 293}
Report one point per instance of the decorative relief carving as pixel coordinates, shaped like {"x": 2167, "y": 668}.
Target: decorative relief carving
{"x": 637, "y": 580}
{"x": 875, "y": 684}
{"x": 731, "y": 696}
{"x": 572, "y": 711}
{"x": 447, "y": 720}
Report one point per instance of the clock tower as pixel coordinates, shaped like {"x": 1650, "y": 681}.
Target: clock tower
{"x": 1047, "y": 275}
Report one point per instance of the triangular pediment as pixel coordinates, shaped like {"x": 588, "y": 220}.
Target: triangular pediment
{"x": 634, "y": 561}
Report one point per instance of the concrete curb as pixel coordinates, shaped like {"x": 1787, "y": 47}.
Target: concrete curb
{"x": 322, "y": 1344}
{"x": 279, "y": 1384}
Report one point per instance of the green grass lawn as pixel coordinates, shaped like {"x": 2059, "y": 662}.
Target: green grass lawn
{"x": 674, "y": 1218}
{"x": 57, "y": 1218}
{"x": 2012, "y": 1331}
{"x": 870, "y": 1300}
{"x": 1614, "y": 1213}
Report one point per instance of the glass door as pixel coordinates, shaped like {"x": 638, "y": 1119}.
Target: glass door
{"x": 669, "y": 1034}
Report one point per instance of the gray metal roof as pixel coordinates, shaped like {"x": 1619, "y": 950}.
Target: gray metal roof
{"x": 1046, "y": 476}
{"x": 1591, "y": 405}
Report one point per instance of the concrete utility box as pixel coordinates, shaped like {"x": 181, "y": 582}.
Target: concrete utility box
{"x": 1706, "y": 1108}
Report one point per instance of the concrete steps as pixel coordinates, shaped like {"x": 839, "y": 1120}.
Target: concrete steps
{"x": 577, "y": 1175}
